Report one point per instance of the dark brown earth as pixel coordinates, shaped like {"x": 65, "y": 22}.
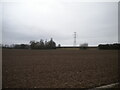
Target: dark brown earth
{"x": 59, "y": 68}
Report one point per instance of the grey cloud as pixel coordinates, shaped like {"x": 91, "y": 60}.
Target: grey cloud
{"x": 94, "y": 22}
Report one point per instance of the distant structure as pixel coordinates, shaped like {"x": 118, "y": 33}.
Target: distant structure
{"x": 74, "y": 44}
{"x": 84, "y": 46}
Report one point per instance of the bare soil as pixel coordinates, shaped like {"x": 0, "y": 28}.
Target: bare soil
{"x": 58, "y": 68}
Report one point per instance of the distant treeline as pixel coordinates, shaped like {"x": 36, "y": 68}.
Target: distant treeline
{"x": 52, "y": 45}
{"x": 43, "y": 45}
{"x": 109, "y": 46}
{"x": 33, "y": 45}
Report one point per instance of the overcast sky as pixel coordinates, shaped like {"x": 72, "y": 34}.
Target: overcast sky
{"x": 93, "y": 22}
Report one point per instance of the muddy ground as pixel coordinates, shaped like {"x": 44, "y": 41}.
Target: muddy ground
{"x": 58, "y": 68}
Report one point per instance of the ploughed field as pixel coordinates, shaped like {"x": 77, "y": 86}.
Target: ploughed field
{"x": 58, "y": 68}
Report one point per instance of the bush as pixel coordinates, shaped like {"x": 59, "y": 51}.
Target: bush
{"x": 109, "y": 46}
